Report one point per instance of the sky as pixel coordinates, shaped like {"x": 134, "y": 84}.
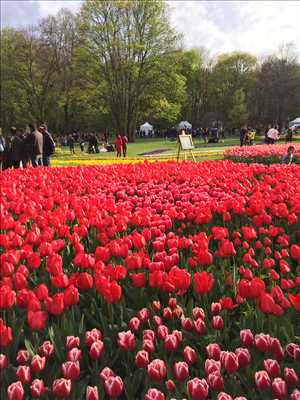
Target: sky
{"x": 256, "y": 26}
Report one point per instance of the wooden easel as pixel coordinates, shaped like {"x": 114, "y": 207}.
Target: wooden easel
{"x": 185, "y": 144}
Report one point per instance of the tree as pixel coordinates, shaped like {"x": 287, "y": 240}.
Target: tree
{"x": 129, "y": 38}
{"x": 238, "y": 113}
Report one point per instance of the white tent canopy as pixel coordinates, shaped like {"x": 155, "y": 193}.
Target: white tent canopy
{"x": 146, "y": 128}
{"x": 184, "y": 125}
{"x": 295, "y": 121}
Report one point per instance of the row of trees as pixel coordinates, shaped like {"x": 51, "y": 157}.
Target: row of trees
{"x": 119, "y": 63}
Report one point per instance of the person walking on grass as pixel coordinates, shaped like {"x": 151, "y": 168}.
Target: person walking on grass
{"x": 124, "y": 145}
{"x": 119, "y": 146}
{"x": 16, "y": 145}
{"x": 71, "y": 142}
{"x": 48, "y": 145}
{"x": 34, "y": 142}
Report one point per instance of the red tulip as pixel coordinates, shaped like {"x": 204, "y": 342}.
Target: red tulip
{"x": 38, "y": 363}
{"x": 171, "y": 342}
{"x": 142, "y": 359}
{"x": 15, "y": 391}
{"x": 5, "y": 334}
{"x": 92, "y": 336}
{"x": 262, "y": 380}
{"x": 96, "y": 350}
{"x": 170, "y": 385}
{"x": 224, "y": 396}
{"x": 203, "y": 282}
{"x": 197, "y": 389}
{"x": 22, "y": 357}
{"x": 229, "y": 361}
{"x": 74, "y": 355}
{"x": 216, "y": 308}
{"x": 217, "y": 322}
{"x": 126, "y": 340}
{"x": 198, "y": 312}
{"x": 71, "y": 370}
{"x": 23, "y": 374}
{"x": 212, "y": 366}
{"x": 244, "y": 357}
{"x": 272, "y": 367}
{"x": 213, "y": 351}
{"x": 37, "y": 319}
{"x": 61, "y": 388}
{"x": 106, "y": 373}
{"x": 187, "y": 324}
{"x": 181, "y": 370}
{"x": 3, "y": 362}
{"x": 154, "y": 394}
{"x": 37, "y": 388}
{"x": 291, "y": 377}
{"x": 189, "y": 355}
{"x": 113, "y": 386}
{"x": 262, "y": 342}
{"x": 215, "y": 381}
{"x": 279, "y": 388}
{"x": 72, "y": 342}
{"x": 157, "y": 370}
{"x": 91, "y": 393}
{"x": 134, "y": 324}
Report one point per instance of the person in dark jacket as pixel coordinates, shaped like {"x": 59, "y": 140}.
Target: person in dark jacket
{"x": 35, "y": 146}
{"x": 16, "y": 145}
{"x": 48, "y": 145}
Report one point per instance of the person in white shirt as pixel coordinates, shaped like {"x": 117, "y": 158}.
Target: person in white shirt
{"x": 272, "y": 135}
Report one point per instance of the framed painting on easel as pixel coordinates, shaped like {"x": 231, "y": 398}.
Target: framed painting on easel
{"x": 185, "y": 144}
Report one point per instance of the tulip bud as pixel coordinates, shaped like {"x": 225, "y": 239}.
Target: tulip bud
{"x": 113, "y": 386}
{"x": 217, "y": 322}
{"x": 216, "y": 308}
{"x": 279, "y": 388}
{"x": 213, "y": 351}
{"x": 3, "y": 362}
{"x": 229, "y": 361}
{"x": 199, "y": 326}
{"x": 126, "y": 340}
{"x": 142, "y": 359}
{"x": 187, "y": 324}
{"x": 295, "y": 395}
{"x": 211, "y": 366}
{"x": 105, "y": 374}
{"x": 262, "y": 342}
{"x": 15, "y": 391}
{"x": 71, "y": 370}
{"x": 92, "y": 336}
{"x": 171, "y": 342}
{"x": 38, "y": 363}
{"x": 162, "y": 331}
{"x": 47, "y": 349}
{"x": 167, "y": 313}
{"x": 74, "y": 355}
{"x": 62, "y": 388}
{"x": 215, "y": 381}
{"x": 244, "y": 357}
{"x": 157, "y": 320}
{"x": 23, "y": 374}
{"x": 156, "y": 305}
{"x": 262, "y": 380}
{"x": 92, "y": 393}
{"x": 291, "y": 377}
{"x": 272, "y": 367}
{"x": 37, "y": 388}
{"x": 246, "y": 337}
{"x": 181, "y": 370}
{"x": 198, "y": 312}
{"x": 224, "y": 396}
{"x": 189, "y": 355}
{"x": 154, "y": 394}
{"x": 197, "y": 389}
{"x": 157, "y": 370}
{"x": 71, "y": 342}
{"x": 22, "y": 357}
{"x": 172, "y": 303}
{"x": 170, "y": 385}
{"x": 143, "y": 315}
{"x": 134, "y": 324}
{"x": 96, "y": 350}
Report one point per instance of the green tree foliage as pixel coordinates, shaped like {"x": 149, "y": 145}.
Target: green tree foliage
{"x": 119, "y": 63}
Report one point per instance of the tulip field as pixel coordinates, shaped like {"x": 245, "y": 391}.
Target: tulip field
{"x": 266, "y": 154}
{"x": 151, "y": 281}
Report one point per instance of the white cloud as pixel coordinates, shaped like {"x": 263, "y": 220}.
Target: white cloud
{"x": 259, "y": 27}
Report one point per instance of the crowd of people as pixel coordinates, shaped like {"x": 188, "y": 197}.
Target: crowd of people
{"x": 271, "y": 135}
{"x": 23, "y": 146}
